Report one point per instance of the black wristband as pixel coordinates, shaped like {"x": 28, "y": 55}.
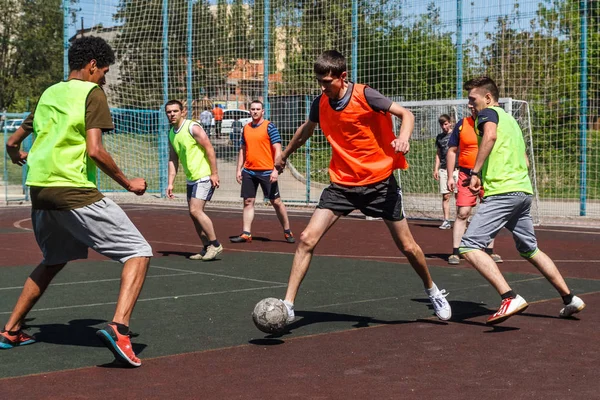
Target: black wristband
{"x": 477, "y": 174}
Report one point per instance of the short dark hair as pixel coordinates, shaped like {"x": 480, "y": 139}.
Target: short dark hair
{"x": 88, "y": 48}
{"x": 174, "y": 102}
{"x": 331, "y": 61}
{"x": 257, "y": 102}
{"x": 444, "y": 118}
{"x": 483, "y": 82}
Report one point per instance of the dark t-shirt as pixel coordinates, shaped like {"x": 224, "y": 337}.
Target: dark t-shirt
{"x": 441, "y": 142}
{"x": 97, "y": 116}
{"x": 486, "y": 115}
{"x": 376, "y": 101}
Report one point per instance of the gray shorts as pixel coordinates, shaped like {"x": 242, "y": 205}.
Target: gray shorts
{"x": 64, "y": 236}
{"x": 495, "y": 212}
{"x": 201, "y": 189}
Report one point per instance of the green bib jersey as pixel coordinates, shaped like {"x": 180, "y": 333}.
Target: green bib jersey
{"x": 61, "y": 176}
{"x": 191, "y": 155}
{"x": 505, "y": 170}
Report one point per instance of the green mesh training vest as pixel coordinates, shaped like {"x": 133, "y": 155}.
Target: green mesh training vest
{"x": 505, "y": 169}
{"x": 191, "y": 154}
{"x": 58, "y": 156}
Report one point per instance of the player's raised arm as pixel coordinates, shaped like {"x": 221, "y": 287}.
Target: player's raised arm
{"x": 401, "y": 144}
{"x": 303, "y": 133}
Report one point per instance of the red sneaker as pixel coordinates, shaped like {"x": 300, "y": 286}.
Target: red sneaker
{"x": 119, "y": 344}
{"x": 508, "y": 308}
{"x": 8, "y": 340}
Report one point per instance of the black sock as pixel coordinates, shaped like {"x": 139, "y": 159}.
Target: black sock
{"x": 455, "y": 251}
{"x": 287, "y": 231}
{"x": 215, "y": 243}
{"x": 567, "y": 298}
{"x": 246, "y": 233}
{"x": 489, "y": 251}
{"x": 509, "y": 295}
{"x": 123, "y": 329}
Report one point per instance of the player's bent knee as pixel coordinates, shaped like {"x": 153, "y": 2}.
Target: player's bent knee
{"x": 308, "y": 240}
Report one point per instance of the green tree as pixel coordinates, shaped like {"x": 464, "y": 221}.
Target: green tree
{"x": 31, "y": 51}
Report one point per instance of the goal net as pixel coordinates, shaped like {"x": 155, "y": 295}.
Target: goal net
{"x": 422, "y": 198}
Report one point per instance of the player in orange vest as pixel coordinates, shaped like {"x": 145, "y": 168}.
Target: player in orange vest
{"x": 218, "y": 116}
{"x": 357, "y": 122}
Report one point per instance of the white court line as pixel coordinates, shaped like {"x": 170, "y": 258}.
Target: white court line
{"x": 17, "y": 224}
{"x": 95, "y": 281}
{"x": 172, "y": 297}
{"x": 219, "y": 275}
{"x": 399, "y": 257}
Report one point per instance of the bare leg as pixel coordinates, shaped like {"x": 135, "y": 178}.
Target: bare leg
{"x": 488, "y": 268}
{"x": 132, "y": 280}
{"x": 460, "y": 225}
{"x": 446, "y": 206}
{"x": 321, "y": 221}
{"x": 202, "y": 222}
{"x": 407, "y": 245}
{"x": 547, "y": 267}
{"x": 34, "y": 288}
{"x": 248, "y": 215}
{"x": 281, "y": 212}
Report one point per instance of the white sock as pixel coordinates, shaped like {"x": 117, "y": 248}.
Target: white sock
{"x": 432, "y": 290}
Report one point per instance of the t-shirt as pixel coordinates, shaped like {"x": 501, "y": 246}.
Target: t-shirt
{"x": 376, "y": 101}
{"x": 441, "y": 142}
{"x": 206, "y": 117}
{"x": 97, "y": 116}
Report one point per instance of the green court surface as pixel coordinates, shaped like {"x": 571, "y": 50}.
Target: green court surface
{"x": 190, "y": 306}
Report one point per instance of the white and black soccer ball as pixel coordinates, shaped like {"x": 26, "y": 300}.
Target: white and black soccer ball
{"x": 270, "y": 315}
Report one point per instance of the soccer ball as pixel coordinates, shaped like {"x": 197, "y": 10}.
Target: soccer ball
{"x": 270, "y": 315}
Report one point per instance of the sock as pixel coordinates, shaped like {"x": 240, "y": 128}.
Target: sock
{"x": 214, "y": 243}
{"x": 489, "y": 251}
{"x": 509, "y": 295}
{"x": 432, "y": 290}
{"x": 455, "y": 251}
{"x": 567, "y": 298}
{"x": 287, "y": 231}
{"x": 247, "y": 233}
{"x": 122, "y": 329}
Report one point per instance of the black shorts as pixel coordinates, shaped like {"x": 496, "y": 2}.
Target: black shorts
{"x": 250, "y": 186}
{"x": 380, "y": 200}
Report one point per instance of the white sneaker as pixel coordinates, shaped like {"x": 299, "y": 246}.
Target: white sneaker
{"x": 573, "y": 307}
{"x": 445, "y": 225}
{"x": 212, "y": 252}
{"x": 508, "y": 308}
{"x": 440, "y": 305}
{"x": 290, "y": 310}
{"x": 199, "y": 255}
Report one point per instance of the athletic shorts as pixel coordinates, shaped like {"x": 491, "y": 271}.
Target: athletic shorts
{"x": 443, "y": 176}
{"x": 201, "y": 189}
{"x": 64, "y": 236}
{"x": 380, "y": 200}
{"x": 464, "y": 197}
{"x": 512, "y": 211}
{"x": 250, "y": 184}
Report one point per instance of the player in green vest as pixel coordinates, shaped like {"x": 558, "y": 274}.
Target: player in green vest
{"x": 69, "y": 214}
{"x": 501, "y": 167}
{"x": 190, "y": 145}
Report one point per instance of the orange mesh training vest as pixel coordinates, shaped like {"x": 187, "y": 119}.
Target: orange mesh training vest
{"x": 467, "y": 144}
{"x": 360, "y": 139}
{"x": 259, "y": 152}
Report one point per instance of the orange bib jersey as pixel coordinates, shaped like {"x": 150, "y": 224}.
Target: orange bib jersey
{"x": 465, "y": 138}
{"x": 360, "y": 139}
{"x": 259, "y": 150}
